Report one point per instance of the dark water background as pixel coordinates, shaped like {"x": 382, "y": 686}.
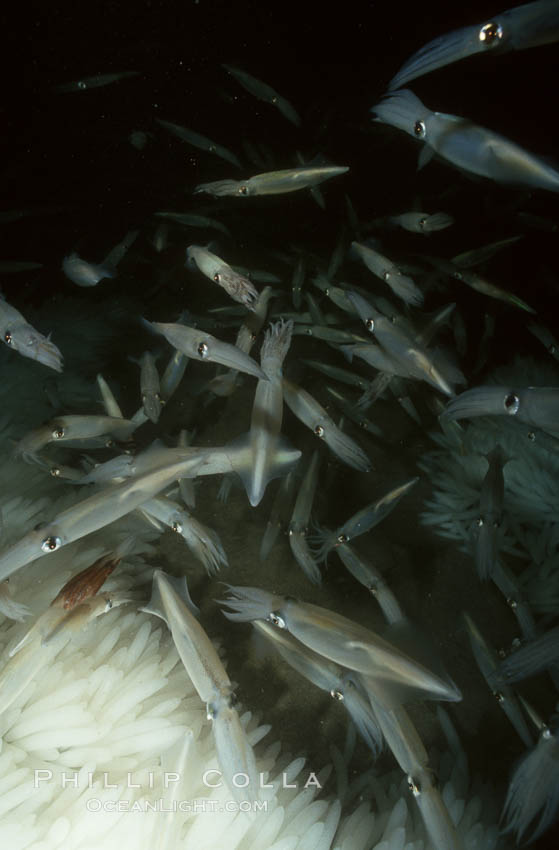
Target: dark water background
{"x": 70, "y": 156}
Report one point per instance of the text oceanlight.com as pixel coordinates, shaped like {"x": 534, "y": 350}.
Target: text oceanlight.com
{"x": 192, "y": 807}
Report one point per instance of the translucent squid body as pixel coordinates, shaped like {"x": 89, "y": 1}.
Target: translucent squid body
{"x": 170, "y": 601}
{"x": 150, "y": 387}
{"x": 226, "y": 383}
{"x": 535, "y": 656}
{"x": 264, "y": 92}
{"x": 419, "y": 222}
{"x": 535, "y": 406}
{"x": 83, "y": 273}
{"x": 465, "y": 145}
{"x": 262, "y": 454}
{"x": 525, "y": 26}
{"x": 199, "y": 141}
{"x": 272, "y": 182}
{"x": 328, "y": 677}
{"x": 108, "y": 505}
{"x": 491, "y": 513}
{"x": 533, "y": 792}
{"x": 73, "y": 608}
{"x": 22, "y": 337}
{"x": 201, "y": 540}
{"x": 364, "y": 520}
{"x": 297, "y": 533}
{"x": 66, "y": 429}
{"x": 203, "y": 346}
{"x": 488, "y": 662}
{"x": 401, "y": 353}
{"x": 314, "y": 416}
{"x": 342, "y": 641}
{"x": 239, "y": 288}
{"x": 400, "y": 284}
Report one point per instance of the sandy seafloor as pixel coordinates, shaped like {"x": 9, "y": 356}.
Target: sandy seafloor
{"x": 71, "y": 155}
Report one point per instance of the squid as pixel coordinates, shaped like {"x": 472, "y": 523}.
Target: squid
{"x": 535, "y": 406}
{"x": 264, "y": 92}
{"x": 225, "y": 384}
{"x": 109, "y": 504}
{"x": 75, "y": 606}
{"x": 67, "y": 429}
{"x": 530, "y": 25}
{"x": 112, "y": 407}
{"x": 201, "y": 540}
{"x": 150, "y": 388}
{"x": 465, "y": 145}
{"x": 171, "y": 601}
{"x": 533, "y": 792}
{"x": 297, "y": 532}
{"x": 94, "y": 82}
{"x": 491, "y": 513}
{"x": 203, "y": 346}
{"x": 488, "y": 662}
{"x": 400, "y": 284}
{"x": 340, "y": 640}
{"x": 314, "y": 416}
{"x": 20, "y": 336}
{"x": 420, "y": 222}
{"x": 364, "y": 520}
{"x": 199, "y": 141}
{"x": 272, "y": 182}
{"x": 409, "y": 356}
{"x": 263, "y": 454}
{"x": 328, "y": 677}
{"x": 239, "y": 288}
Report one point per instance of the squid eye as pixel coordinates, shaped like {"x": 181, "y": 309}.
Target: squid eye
{"x": 276, "y": 620}
{"x": 203, "y": 350}
{"x": 82, "y": 85}
{"x": 58, "y": 433}
{"x": 109, "y": 604}
{"x": 386, "y": 275}
{"x": 50, "y": 544}
{"x": 55, "y": 472}
{"x": 211, "y": 711}
{"x": 243, "y": 190}
{"x": 176, "y": 526}
{"x": 480, "y": 522}
{"x": 370, "y": 325}
{"x": 319, "y": 431}
{"x": 414, "y": 787}
{"x": 490, "y": 34}
{"x": 342, "y": 538}
{"x": 8, "y": 338}
{"x": 512, "y": 404}
{"x": 422, "y": 223}
{"x": 337, "y": 695}
{"x": 217, "y": 277}
{"x": 419, "y": 129}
